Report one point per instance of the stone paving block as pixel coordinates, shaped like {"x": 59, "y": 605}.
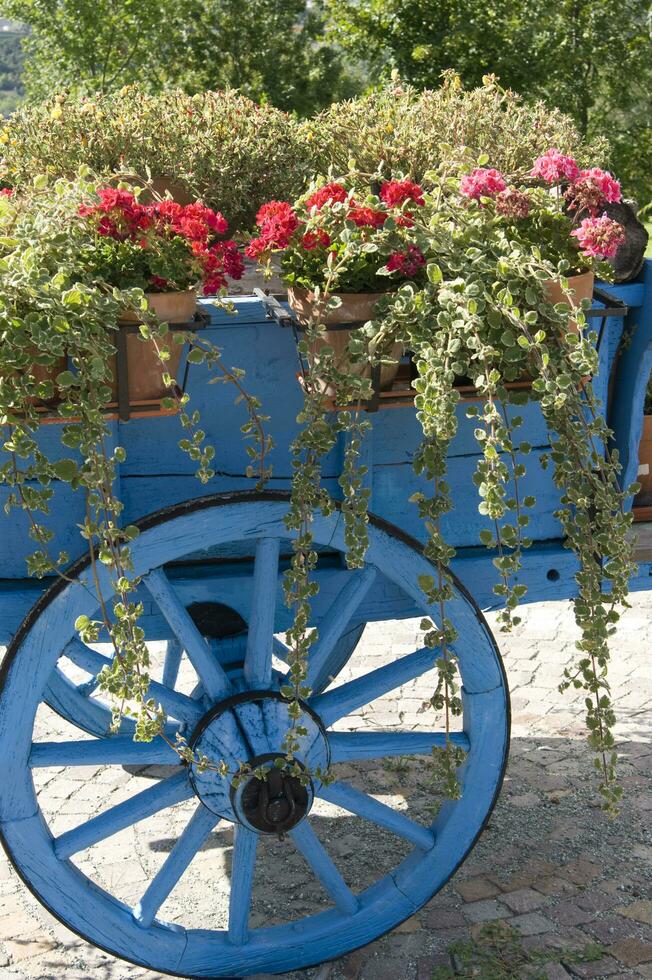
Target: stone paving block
{"x": 26, "y": 947}
{"x": 437, "y": 919}
{"x": 532, "y": 924}
{"x": 605, "y": 967}
{"x": 632, "y": 951}
{"x": 581, "y": 871}
{"x": 553, "y": 885}
{"x": 640, "y": 911}
{"x": 476, "y": 889}
{"x": 596, "y": 901}
{"x": 523, "y": 900}
{"x": 570, "y": 914}
{"x": 486, "y": 911}
{"x": 555, "y": 971}
{"x": 610, "y": 929}
{"x": 426, "y": 965}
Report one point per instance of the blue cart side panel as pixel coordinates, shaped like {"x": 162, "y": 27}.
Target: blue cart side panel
{"x": 157, "y": 473}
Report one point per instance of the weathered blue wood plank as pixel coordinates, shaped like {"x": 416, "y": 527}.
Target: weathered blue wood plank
{"x": 258, "y": 659}
{"x": 632, "y": 376}
{"x": 209, "y": 670}
{"x": 177, "y": 862}
{"x": 324, "y": 868}
{"x": 180, "y": 706}
{"x": 119, "y": 750}
{"x": 242, "y": 880}
{"x": 346, "y": 698}
{"x": 366, "y": 806}
{"x": 334, "y": 623}
{"x": 174, "y": 789}
{"x": 354, "y": 746}
{"x": 173, "y": 655}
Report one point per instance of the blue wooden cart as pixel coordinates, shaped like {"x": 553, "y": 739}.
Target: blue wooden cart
{"x": 211, "y": 569}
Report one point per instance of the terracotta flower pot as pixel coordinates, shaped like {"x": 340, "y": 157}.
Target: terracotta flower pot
{"x": 355, "y": 308}
{"x": 582, "y": 288}
{"x": 145, "y": 369}
{"x": 41, "y": 372}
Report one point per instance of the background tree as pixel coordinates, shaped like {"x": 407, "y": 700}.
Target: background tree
{"x": 97, "y": 45}
{"x": 591, "y": 58}
{"x": 272, "y": 50}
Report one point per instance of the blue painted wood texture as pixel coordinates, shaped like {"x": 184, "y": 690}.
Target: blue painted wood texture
{"x": 156, "y": 473}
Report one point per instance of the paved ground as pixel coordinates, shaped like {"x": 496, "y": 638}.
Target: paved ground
{"x": 548, "y": 862}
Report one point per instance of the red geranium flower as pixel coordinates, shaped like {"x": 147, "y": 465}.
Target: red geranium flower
{"x": 396, "y": 192}
{"x": 313, "y": 239}
{"x": 328, "y": 193}
{"x": 364, "y": 216}
{"x": 408, "y": 262}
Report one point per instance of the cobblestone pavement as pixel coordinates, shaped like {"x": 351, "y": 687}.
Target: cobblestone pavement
{"x": 549, "y": 862}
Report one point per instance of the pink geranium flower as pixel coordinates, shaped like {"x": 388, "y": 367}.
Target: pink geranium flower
{"x": 599, "y": 238}
{"x": 608, "y": 186}
{"x": 482, "y": 182}
{"x": 554, "y": 166}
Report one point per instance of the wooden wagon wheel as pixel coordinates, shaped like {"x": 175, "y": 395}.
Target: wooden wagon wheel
{"x": 245, "y": 723}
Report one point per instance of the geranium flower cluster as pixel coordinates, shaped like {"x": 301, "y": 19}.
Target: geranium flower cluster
{"x": 313, "y": 227}
{"x": 162, "y": 226}
{"x": 581, "y": 196}
{"x": 599, "y": 237}
{"x": 482, "y": 182}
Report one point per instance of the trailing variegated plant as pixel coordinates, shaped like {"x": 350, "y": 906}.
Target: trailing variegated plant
{"x": 474, "y": 307}
{"x": 59, "y": 312}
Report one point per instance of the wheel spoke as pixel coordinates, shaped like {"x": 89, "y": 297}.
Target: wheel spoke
{"x": 179, "y": 706}
{"x": 242, "y": 880}
{"x": 173, "y": 654}
{"x": 363, "y": 805}
{"x": 349, "y": 697}
{"x": 258, "y": 660}
{"x": 208, "y": 669}
{"x": 335, "y": 622}
{"x": 169, "y": 791}
{"x": 353, "y": 746}
{"x": 324, "y": 868}
{"x": 189, "y": 843}
{"x": 118, "y": 750}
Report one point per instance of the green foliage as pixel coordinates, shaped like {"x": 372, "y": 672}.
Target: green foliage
{"x": 498, "y": 954}
{"x": 220, "y": 146}
{"x": 412, "y": 132}
{"x": 482, "y": 313}
{"x": 57, "y": 329}
{"x": 271, "y": 50}
{"x": 98, "y": 45}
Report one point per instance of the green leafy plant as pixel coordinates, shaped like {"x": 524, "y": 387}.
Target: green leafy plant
{"x": 58, "y": 322}
{"x": 481, "y": 313}
{"x": 406, "y": 130}
{"x": 219, "y": 147}
{"x": 498, "y": 954}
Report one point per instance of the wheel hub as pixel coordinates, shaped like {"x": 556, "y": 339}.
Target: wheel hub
{"x": 276, "y": 803}
{"x": 250, "y": 728}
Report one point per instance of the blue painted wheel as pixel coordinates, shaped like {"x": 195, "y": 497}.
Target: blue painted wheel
{"x": 248, "y": 720}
